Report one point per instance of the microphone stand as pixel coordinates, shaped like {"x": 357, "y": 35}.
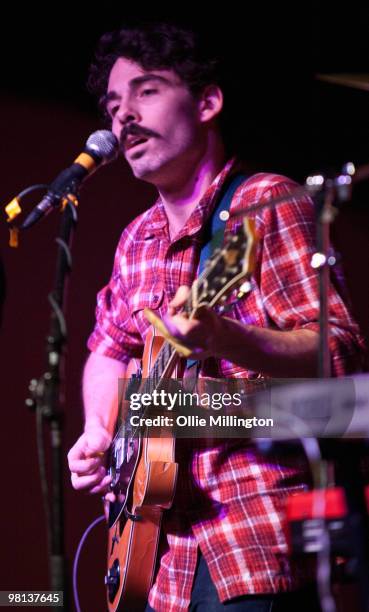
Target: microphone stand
{"x": 47, "y": 399}
{"x": 340, "y": 189}
{"x": 320, "y": 261}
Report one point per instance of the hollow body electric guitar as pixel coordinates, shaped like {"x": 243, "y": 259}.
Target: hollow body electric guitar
{"x": 143, "y": 468}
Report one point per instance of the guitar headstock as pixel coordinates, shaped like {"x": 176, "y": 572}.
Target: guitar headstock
{"x": 229, "y": 267}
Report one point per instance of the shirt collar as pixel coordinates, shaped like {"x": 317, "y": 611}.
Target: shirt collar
{"x": 157, "y": 219}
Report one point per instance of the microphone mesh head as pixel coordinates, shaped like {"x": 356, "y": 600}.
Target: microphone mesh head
{"x": 104, "y": 145}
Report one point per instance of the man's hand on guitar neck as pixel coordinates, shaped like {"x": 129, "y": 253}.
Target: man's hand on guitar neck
{"x": 273, "y": 352}
{"x": 201, "y": 334}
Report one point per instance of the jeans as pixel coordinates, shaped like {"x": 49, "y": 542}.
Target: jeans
{"x": 204, "y": 598}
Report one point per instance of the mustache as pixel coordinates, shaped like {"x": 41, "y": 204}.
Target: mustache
{"x": 132, "y": 129}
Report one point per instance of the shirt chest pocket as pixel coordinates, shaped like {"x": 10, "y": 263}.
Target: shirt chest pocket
{"x": 139, "y": 298}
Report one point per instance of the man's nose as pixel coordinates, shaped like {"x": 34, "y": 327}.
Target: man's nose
{"x": 127, "y": 113}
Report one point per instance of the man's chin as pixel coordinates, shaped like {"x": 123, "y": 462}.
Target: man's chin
{"x": 143, "y": 171}
{"x": 149, "y": 168}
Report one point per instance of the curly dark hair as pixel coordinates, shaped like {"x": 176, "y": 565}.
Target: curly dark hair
{"x": 155, "y": 46}
{"x": 161, "y": 45}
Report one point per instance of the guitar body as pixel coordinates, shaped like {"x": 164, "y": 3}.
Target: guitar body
{"x": 134, "y": 523}
{"x": 143, "y": 469}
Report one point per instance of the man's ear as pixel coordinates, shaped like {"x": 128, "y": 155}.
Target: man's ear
{"x": 210, "y": 103}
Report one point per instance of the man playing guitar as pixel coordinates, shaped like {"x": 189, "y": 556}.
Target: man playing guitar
{"x": 225, "y": 547}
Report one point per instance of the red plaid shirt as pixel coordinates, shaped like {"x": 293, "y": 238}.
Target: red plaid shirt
{"x": 230, "y": 499}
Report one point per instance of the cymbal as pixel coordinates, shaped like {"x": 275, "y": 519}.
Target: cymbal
{"x": 357, "y": 81}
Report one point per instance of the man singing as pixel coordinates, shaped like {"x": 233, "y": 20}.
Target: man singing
{"x": 225, "y": 546}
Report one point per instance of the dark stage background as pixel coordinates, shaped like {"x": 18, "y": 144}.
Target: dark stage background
{"x": 289, "y": 122}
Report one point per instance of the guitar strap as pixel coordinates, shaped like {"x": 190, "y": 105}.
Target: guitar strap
{"x": 214, "y": 230}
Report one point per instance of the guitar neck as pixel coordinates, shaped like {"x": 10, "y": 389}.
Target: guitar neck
{"x": 163, "y": 368}
{"x": 167, "y": 358}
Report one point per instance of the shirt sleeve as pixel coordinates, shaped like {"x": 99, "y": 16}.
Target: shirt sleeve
{"x": 114, "y": 334}
{"x": 290, "y": 286}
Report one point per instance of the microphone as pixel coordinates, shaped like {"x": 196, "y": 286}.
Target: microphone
{"x": 101, "y": 147}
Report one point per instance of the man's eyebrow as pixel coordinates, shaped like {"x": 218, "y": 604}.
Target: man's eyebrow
{"x": 133, "y": 84}
{"x": 150, "y": 76}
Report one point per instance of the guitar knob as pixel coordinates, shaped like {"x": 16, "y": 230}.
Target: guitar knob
{"x": 112, "y": 580}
